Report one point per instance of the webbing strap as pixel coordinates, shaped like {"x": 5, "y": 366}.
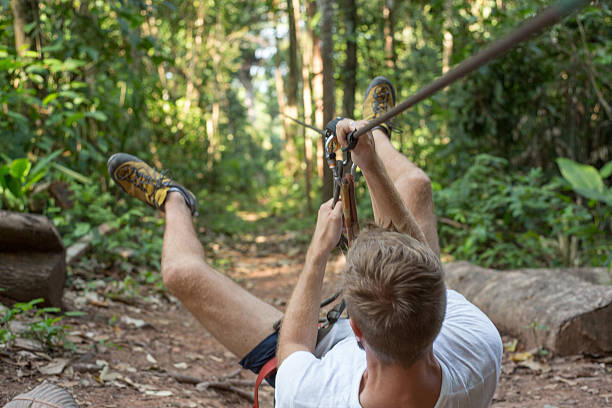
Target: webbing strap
{"x": 267, "y": 370}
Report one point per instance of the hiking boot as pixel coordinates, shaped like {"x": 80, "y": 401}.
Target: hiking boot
{"x": 140, "y": 180}
{"x": 379, "y": 98}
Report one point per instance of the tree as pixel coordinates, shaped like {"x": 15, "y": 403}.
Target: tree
{"x": 292, "y": 87}
{"x": 329, "y": 84}
{"x": 317, "y": 82}
{"x": 306, "y": 113}
{"x": 350, "y": 64}
{"x": 25, "y": 12}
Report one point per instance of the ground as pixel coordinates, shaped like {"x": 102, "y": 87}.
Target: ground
{"x": 143, "y": 349}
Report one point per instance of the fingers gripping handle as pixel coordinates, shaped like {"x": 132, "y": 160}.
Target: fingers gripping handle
{"x": 331, "y": 141}
{"x": 352, "y": 141}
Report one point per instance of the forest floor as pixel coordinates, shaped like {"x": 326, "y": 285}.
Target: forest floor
{"x": 138, "y": 350}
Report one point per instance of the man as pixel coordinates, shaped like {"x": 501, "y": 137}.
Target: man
{"x": 408, "y": 342}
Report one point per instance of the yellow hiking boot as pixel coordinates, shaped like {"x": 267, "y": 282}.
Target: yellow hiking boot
{"x": 379, "y": 98}
{"x": 140, "y": 180}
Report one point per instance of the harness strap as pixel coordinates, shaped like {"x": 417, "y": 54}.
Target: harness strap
{"x": 267, "y": 370}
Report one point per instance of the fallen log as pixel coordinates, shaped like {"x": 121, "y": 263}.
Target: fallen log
{"x": 547, "y": 309}
{"x": 32, "y": 258}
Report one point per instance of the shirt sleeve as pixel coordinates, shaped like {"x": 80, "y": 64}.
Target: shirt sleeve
{"x": 304, "y": 381}
{"x": 470, "y": 347}
{"x": 291, "y": 375}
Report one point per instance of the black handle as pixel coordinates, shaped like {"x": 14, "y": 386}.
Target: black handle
{"x": 352, "y": 141}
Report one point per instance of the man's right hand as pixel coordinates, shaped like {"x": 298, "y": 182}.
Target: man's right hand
{"x": 328, "y": 230}
{"x": 364, "y": 154}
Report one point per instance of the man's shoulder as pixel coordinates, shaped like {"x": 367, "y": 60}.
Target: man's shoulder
{"x": 469, "y": 350}
{"x": 329, "y": 380}
{"x": 466, "y": 320}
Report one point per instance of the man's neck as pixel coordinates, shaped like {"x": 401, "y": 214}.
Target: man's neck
{"x": 391, "y": 385}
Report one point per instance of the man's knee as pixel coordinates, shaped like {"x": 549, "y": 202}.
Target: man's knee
{"x": 415, "y": 186}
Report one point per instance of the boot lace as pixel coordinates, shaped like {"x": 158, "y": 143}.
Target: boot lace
{"x": 381, "y": 100}
{"x": 141, "y": 178}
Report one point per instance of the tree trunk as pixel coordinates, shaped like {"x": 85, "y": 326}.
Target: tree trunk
{"x": 291, "y": 89}
{"x": 244, "y": 75}
{"x": 32, "y": 258}
{"x": 195, "y": 33}
{"x": 447, "y": 42}
{"x": 280, "y": 86}
{"x": 548, "y": 309}
{"x": 212, "y": 125}
{"x": 389, "y": 32}
{"x": 307, "y": 105}
{"x": 329, "y": 86}
{"x": 24, "y": 13}
{"x": 350, "y": 66}
{"x": 317, "y": 85}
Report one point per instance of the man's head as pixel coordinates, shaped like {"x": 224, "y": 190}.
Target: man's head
{"x": 395, "y": 294}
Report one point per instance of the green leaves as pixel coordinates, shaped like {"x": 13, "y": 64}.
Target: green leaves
{"x": 17, "y": 177}
{"x": 505, "y": 219}
{"x": 586, "y": 180}
{"x": 20, "y": 168}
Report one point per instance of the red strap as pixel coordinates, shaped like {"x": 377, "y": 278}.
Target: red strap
{"x": 267, "y": 370}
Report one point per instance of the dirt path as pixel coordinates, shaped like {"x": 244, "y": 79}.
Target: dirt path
{"x": 130, "y": 351}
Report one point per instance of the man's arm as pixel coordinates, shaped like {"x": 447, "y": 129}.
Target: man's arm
{"x": 299, "y": 329}
{"x": 392, "y": 209}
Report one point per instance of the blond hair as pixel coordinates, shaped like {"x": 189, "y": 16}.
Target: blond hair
{"x": 395, "y": 293}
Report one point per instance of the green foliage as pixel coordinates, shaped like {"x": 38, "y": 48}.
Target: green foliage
{"x": 136, "y": 230}
{"x": 191, "y": 86}
{"x": 502, "y": 219}
{"x": 43, "y": 324}
{"x": 17, "y": 177}
{"x": 586, "y": 180}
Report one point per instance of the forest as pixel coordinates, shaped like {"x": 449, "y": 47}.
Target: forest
{"x": 519, "y": 152}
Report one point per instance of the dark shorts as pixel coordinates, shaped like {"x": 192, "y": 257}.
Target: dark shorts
{"x": 260, "y": 355}
{"x": 265, "y": 350}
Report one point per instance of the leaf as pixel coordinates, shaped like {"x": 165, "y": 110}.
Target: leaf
{"x": 106, "y": 375}
{"x": 41, "y": 165}
{"x": 534, "y": 365}
{"x": 517, "y": 357}
{"x": 97, "y": 115}
{"x": 49, "y": 98}
{"x": 17, "y": 116}
{"x": 73, "y": 64}
{"x": 20, "y": 168}
{"x": 72, "y": 173}
{"x": 596, "y": 195}
{"x": 69, "y": 94}
{"x": 71, "y": 119}
{"x": 580, "y": 176}
{"x": 55, "y": 367}
{"x": 606, "y": 170}
{"x": 6, "y": 64}
{"x": 159, "y": 393}
{"x": 74, "y": 313}
{"x": 57, "y": 46}
{"x": 54, "y": 64}
{"x": 138, "y": 323}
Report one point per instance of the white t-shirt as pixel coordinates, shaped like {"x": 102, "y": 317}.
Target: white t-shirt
{"x": 468, "y": 349}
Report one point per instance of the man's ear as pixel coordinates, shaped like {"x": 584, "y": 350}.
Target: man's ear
{"x": 355, "y": 328}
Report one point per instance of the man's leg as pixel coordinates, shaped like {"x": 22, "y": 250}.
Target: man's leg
{"x": 239, "y": 320}
{"x": 410, "y": 181}
{"x": 412, "y": 184}
{"x": 235, "y": 317}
